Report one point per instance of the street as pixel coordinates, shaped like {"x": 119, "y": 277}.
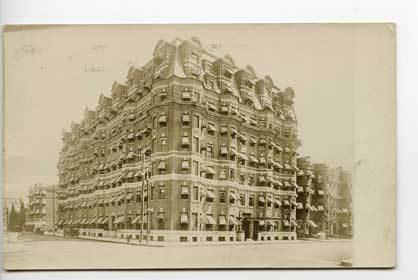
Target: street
{"x": 30, "y": 251}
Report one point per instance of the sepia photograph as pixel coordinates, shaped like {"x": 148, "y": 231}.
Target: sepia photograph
{"x": 199, "y": 146}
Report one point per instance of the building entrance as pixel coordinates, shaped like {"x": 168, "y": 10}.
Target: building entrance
{"x": 250, "y": 228}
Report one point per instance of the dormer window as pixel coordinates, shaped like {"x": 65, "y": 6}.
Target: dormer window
{"x": 227, "y": 73}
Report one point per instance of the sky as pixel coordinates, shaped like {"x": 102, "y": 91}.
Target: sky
{"x": 53, "y": 73}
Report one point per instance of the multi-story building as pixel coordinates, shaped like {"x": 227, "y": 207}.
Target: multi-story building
{"x": 330, "y": 209}
{"x": 305, "y": 192}
{"x": 190, "y": 148}
{"x": 42, "y": 208}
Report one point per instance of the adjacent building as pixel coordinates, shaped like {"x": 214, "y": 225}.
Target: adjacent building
{"x": 306, "y": 192}
{"x": 42, "y": 208}
{"x": 191, "y": 147}
{"x": 325, "y": 193}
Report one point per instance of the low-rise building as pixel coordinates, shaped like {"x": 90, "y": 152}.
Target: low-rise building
{"x": 42, "y": 208}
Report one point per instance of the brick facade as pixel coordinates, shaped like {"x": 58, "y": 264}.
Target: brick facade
{"x": 200, "y": 147}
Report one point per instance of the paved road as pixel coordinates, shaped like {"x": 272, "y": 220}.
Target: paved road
{"x": 30, "y": 251}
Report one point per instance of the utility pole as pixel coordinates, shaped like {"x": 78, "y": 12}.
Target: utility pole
{"x": 149, "y": 211}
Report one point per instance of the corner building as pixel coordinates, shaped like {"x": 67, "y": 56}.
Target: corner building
{"x": 190, "y": 148}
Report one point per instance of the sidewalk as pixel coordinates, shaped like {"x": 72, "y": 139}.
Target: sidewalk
{"x": 204, "y": 243}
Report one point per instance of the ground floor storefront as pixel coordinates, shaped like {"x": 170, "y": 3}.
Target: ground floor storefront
{"x": 183, "y": 236}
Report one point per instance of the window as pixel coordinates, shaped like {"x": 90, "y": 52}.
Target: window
{"x": 195, "y": 193}
{"x": 222, "y": 174}
{"x": 232, "y": 174}
{"x": 222, "y": 196}
{"x": 163, "y": 144}
{"x": 138, "y": 198}
{"x": 186, "y": 96}
{"x": 261, "y": 201}
{"x": 242, "y": 199}
{"x": 211, "y": 129}
{"x": 195, "y": 145}
{"x": 232, "y": 197}
{"x": 195, "y": 168}
{"x": 185, "y": 141}
{"x": 184, "y": 192}
{"x": 185, "y": 119}
{"x": 194, "y": 221}
{"x": 163, "y": 97}
{"x": 209, "y": 151}
{"x": 154, "y": 122}
{"x": 269, "y": 202}
{"x": 242, "y": 178}
{"x": 224, "y": 151}
{"x": 251, "y": 200}
{"x": 154, "y": 145}
{"x": 210, "y": 196}
{"x": 251, "y": 180}
{"x": 185, "y": 165}
{"x": 161, "y": 192}
{"x": 196, "y": 122}
{"x": 163, "y": 120}
{"x": 152, "y": 193}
